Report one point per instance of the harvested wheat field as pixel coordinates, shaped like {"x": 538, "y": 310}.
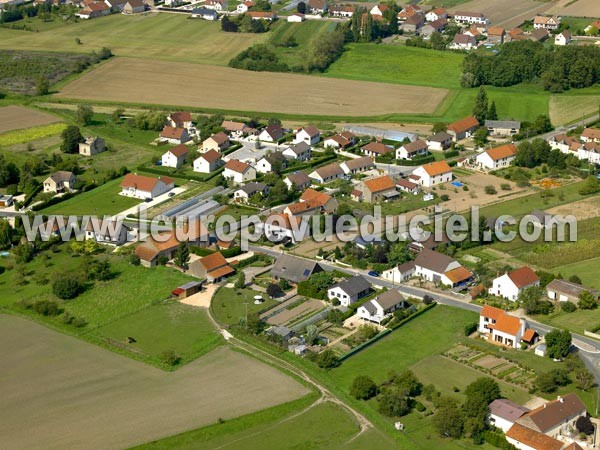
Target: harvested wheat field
{"x": 172, "y": 83}
{"x": 19, "y": 117}
{"x": 505, "y": 14}
{"x": 565, "y": 109}
{"x": 578, "y": 8}
{"x": 59, "y": 392}
{"x": 588, "y": 208}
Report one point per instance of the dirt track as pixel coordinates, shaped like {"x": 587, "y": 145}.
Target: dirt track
{"x": 19, "y": 117}
{"x": 182, "y": 84}
{"x": 59, "y": 392}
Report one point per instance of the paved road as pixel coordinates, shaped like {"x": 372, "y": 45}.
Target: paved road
{"x": 589, "y": 348}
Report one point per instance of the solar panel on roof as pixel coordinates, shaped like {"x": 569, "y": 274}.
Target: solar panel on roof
{"x": 306, "y": 272}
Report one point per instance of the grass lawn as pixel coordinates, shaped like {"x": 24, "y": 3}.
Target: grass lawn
{"x": 577, "y": 321}
{"x": 430, "y": 334}
{"x": 303, "y": 34}
{"x": 229, "y": 305}
{"x": 446, "y": 374}
{"x": 156, "y": 36}
{"x": 173, "y": 326}
{"x": 586, "y": 270}
{"x": 102, "y": 200}
{"x": 398, "y": 64}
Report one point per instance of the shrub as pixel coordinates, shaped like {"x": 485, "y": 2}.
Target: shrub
{"x": 274, "y": 291}
{"x": 568, "y": 307}
{"x": 327, "y": 359}
{"x": 363, "y": 388}
{"x": 170, "y": 358}
{"x": 66, "y": 286}
{"x": 490, "y": 190}
{"x": 47, "y": 308}
{"x": 444, "y": 197}
{"x": 584, "y": 425}
{"x": 505, "y": 187}
{"x": 134, "y": 259}
{"x": 470, "y": 328}
{"x": 419, "y": 406}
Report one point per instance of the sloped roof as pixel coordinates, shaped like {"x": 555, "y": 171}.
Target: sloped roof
{"x": 377, "y": 147}
{"x": 441, "y": 136}
{"x": 359, "y": 163}
{"x": 179, "y": 150}
{"x": 220, "y": 138}
{"x": 330, "y": 170}
{"x": 61, "y": 176}
{"x": 298, "y": 178}
{"x": 169, "y": 132}
{"x": 459, "y": 274}
{"x": 591, "y": 133}
{"x": 233, "y": 126}
{"x": 533, "y": 439}
{"x": 213, "y": 261}
{"x": 273, "y": 130}
{"x": 389, "y": 299}
{"x": 437, "y": 262}
{"x": 507, "y": 409}
{"x": 211, "y": 155}
{"x": 178, "y": 116}
{"x": 237, "y": 166}
{"x": 463, "y": 125}
{"x": 568, "y": 288}
{"x": 491, "y": 312}
{"x": 299, "y": 148}
{"x": 507, "y": 324}
{"x": 504, "y": 151}
{"x": 312, "y": 131}
{"x": 523, "y": 276}
{"x": 553, "y": 413}
{"x": 321, "y": 198}
{"x": 415, "y": 146}
{"x": 436, "y": 168}
{"x": 353, "y": 285}
{"x": 495, "y": 31}
{"x": 293, "y": 268}
{"x": 142, "y": 183}
{"x": 384, "y": 183}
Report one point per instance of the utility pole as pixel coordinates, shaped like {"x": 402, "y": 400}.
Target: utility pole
{"x": 246, "y": 303}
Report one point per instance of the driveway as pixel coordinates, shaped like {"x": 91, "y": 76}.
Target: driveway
{"x": 202, "y": 299}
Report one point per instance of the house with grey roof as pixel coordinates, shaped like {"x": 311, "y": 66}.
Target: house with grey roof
{"x": 300, "y": 151}
{"x": 350, "y": 290}
{"x": 503, "y": 413}
{"x": 61, "y": 181}
{"x": 246, "y": 192}
{"x": 400, "y": 273}
{"x": 439, "y": 141}
{"x": 294, "y": 269}
{"x": 357, "y": 165}
{"x": 327, "y": 174}
{"x": 566, "y": 291}
{"x": 297, "y": 180}
{"x": 382, "y": 306}
{"x": 503, "y": 127}
{"x": 284, "y": 333}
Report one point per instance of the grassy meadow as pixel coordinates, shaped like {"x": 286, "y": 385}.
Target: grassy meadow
{"x": 229, "y": 305}
{"x": 302, "y": 33}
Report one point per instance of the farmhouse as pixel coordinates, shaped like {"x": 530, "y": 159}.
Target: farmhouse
{"x": 272, "y": 133}
{"x": 400, "y": 273}
{"x": 408, "y": 11}
{"x": 271, "y": 162}
{"x": 407, "y": 186}
{"x": 413, "y": 24}
{"x": 382, "y": 306}
{"x": 300, "y": 151}
{"x": 243, "y": 7}
{"x": 61, "y": 181}
{"x": 294, "y": 269}
{"x": 439, "y": 268}
{"x": 310, "y": 135}
{"x": 374, "y": 149}
{"x": 180, "y": 119}
{"x": 204, "y": 13}
{"x": 134, "y": 7}
{"x": 501, "y": 328}
{"x": 296, "y": 18}
{"x": 463, "y": 42}
{"x": 212, "y": 267}
{"x": 350, "y": 290}
{"x": 218, "y": 142}
{"x": 439, "y": 141}
{"x": 150, "y": 251}
{"x": 340, "y": 141}
{"x": 495, "y": 35}
{"x": 174, "y": 136}
{"x": 511, "y": 284}
{"x": 239, "y": 172}
{"x": 412, "y": 150}
{"x": 462, "y": 129}
{"x": 111, "y": 232}
{"x": 555, "y": 417}
{"x": 566, "y": 291}
{"x": 377, "y": 189}
{"x": 325, "y": 201}
{"x": 246, "y": 192}
{"x": 327, "y": 174}
{"x": 562, "y": 142}
{"x": 262, "y": 15}
{"x": 497, "y": 158}
{"x": 297, "y": 180}
{"x": 114, "y": 5}
{"x": 341, "y": 11}
{"x": 92, "y": 146}
{"x": 590, "y": 135}
{"x": 175, "y": 157}
{"x": 357, "y": 165}
{"x": 217, "y": 5}
{"x": 470, "y": 18}
{"x": 208, "y": 162}
{"x": 317, "y": 6}
{"x": 503, "y": 127}
{"x": 93, "y": 10}
{"x": 236, "y": 129}
{"x": 436, "y": 14}
{"x": 433, "y": 173}
{"x": 437, "y": 26}
{"x": 139, "y": 186}
{"x": 549, "y": 23}
{"x": 563, "y": 38}
{"x": 504, "y": 413}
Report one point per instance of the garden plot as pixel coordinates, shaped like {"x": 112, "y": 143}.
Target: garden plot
{"x": 295, "y": 313}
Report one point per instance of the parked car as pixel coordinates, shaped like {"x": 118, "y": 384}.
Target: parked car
{"x": 372, "y": 273}
{"x": 171, "y": 194}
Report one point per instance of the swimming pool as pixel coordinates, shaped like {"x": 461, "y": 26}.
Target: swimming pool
{"x": 456, "y": 183}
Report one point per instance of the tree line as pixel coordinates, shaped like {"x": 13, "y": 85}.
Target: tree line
{"x": 558, "y": 68}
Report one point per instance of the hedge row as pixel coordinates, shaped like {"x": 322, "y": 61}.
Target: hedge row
{"x": 166, "y": 173}
{"x": 310, "y": 164}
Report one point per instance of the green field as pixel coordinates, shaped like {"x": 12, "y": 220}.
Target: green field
{"x": 586, "y": 270}
{"x": 102, "y": 200}
{"x": 229, "y": 305}
{"x": 184, "y": 329}
{"x": 578, "y": 321}
{"x": 302, "y": 33}
{"x": 31, "y": 134}
{"x": 157, "y": 36}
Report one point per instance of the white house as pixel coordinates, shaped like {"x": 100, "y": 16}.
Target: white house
{"x": 589, "y": 151}
{"x": 327, "y": 174}
{"x": 340, "y": 141}
{"x": 350, "y": 290}
{"x": 412, "y": 150}
{"x": 217, "y": 5}
{"x": 279, "y": 227}
{"x": 310, "y": 135}
{"x": 218, "y": 142}
{"x": 378, "y": 9}
{"x": 297, "y": 180}
{"x": 243, "y": 7}
{"x": 497, "y": 158}
{"x": 382, "y": 306}
{"x": 271, "y": 162}
{"x": 357, "y": 165}
{"x": 239, "y": 172}
{"x": 470, "y": 18}
{"x": 61, "y": 181}
{"x": 175, "y": 157}
{"x": 208, "y": 162}
{"x": 439, "y": 141}
{"x": 562, "y": 142}
{"x": 174, "y": 136}
{"x": 436, "y": 14}
{"x": 236, "y": 130}
{"x": 296, "y": 18}
{"x": 246, "y": 192}
{"x": 433, "y": 173}
{"x": 110, "y": 232}
{"x": 463, "y": 42}
{"x": 180, "y": 119}
{"x": 375, "y": 149}
{"x": 300, "y": 151}
{"x": 511, "y": 284}
{"x": 503, "y": 413}
{"x": 439, "y": 268}
{"x": 400, "y": 273}
{"x": 503, "y": 127}
{"x": 139, "y": 186}
{"x": 546, "y": 22}
{"x": 272, "y": 133}
{"x": 563, "y": 38}
{"x": 590, "y": 135}
{"x": 501, "y": 328}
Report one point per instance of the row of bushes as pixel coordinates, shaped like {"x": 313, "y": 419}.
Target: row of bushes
{"x": 310, "y": 164}
{"x": 163, "y": 172}
{"x": 252, "y": 259}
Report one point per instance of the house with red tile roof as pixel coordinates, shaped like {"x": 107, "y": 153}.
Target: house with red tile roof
{"x": 94, "y": 9}
{"x": 590, "y": 135}
{"x": 180, "y": 119}
{"x": 436, "y": 14}
{"x": 374, "y": 149}
{"x": 430, "y": 174}
{"x": 239, "y": 172}
{"x": 310, "y": 135}
{"x": 497, "y": 157}
{"x": 377, "y": 189}
{"x": 463, "y": 128}
{"x": 218, "y": 142}
{"x": 208, "y": 162}
{"x": 139, "y": 186}
{"x": 500, "y": 328}
{"x": 175, "y": 157}
{"x": 174, "y": 135}
{"x": 512, "y": 283}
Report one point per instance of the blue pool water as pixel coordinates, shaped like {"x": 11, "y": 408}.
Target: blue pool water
{"x": 456, "y": 183}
